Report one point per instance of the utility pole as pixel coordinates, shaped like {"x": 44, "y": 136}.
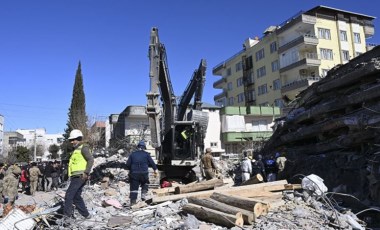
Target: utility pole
{"x": 35, "y": 146}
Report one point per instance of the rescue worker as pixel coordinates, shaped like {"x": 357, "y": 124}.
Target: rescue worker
{"x": 10, "y": 186}
{"x": 208, "y": 164}
{"x": 246, "y": 168}
{"x": 137, "y": 164}
{"x": 34, "y": 173}
{"x": 258, "y": 167}
{"x": 80, "y": 164}
{"x": 280, "y": 164}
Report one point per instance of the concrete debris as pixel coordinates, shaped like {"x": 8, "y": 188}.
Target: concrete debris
{"x": 278, "y": 205}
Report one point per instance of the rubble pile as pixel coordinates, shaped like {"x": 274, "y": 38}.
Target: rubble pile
{"x": 271, "y": 205}
{"x": 333, "y": 130}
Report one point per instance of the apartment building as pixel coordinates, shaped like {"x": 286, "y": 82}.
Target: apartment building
{"x": 273, "y": 69}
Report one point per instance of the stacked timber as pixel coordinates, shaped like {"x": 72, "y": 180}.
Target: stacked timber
{"x": 333, "y": 129}
{"x": 232, "y": 206}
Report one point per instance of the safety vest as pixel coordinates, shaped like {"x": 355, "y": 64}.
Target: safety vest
{"x": 77, "y": 163}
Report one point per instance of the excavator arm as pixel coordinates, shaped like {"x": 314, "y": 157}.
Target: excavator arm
{"x": 195, "y": 86}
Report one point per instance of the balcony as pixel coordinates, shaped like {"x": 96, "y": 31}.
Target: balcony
{"x": 303, "y": 18}
{"x": 307, "y": 59}
{"x": 221, "y": 95}
{"x": 299, "y": 84}
{"x": 307, "y": 39}
{"x": 241, "y": 136}
{"x": 219, "y": 83}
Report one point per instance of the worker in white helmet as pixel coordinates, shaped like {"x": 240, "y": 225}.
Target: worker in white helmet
{"x": 79, "y": 168}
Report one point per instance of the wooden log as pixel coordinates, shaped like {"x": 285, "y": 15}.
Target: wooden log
{"x": 240, "y": 202}
{"x": 201, "y": 186}
{"x": 277, "y": 185}
{"x": 248, "y": 216}
{"x": 254, "y": 180}
{"x": 213, "y": 216}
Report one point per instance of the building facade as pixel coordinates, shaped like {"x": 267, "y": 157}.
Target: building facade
{"x": 272, "y": 70}
{"x": 246, "y": 128}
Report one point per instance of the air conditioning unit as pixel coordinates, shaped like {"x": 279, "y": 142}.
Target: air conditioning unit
{"x": 303, "y": 71}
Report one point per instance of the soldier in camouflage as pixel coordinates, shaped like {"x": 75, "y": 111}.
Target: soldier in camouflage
{"x": 34, "y": 172}
{"x": 10, "y": 185}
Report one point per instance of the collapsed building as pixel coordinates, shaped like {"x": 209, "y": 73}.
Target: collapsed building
{"x": 333, "y": 127}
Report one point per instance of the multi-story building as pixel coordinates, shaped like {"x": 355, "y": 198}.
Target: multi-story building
{"x": 290, "y": 57}
{"x": 132, "y": 125}
{"x": 246, "y": 128}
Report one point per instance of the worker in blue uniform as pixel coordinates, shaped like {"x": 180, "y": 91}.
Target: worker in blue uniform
{"x": 137, "y": 164}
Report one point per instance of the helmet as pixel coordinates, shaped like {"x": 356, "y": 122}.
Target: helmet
{"x": 141, "y": 145}
{"x": 75, "y": 133}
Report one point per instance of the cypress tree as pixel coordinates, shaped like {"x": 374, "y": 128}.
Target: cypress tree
{"x": 77, "y": 111}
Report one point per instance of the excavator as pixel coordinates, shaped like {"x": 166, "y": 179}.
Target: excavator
{"x": 177, "y": 127}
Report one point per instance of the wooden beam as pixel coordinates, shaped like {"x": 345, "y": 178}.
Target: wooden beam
{"x": 201, "y": 186}
{"x": 240, "y": 202}
{"x": 213, "y": 216}
{"x": 269, "y": 186}
{"x": 248, "y": 216}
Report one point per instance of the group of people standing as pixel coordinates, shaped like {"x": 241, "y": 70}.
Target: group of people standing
{"x": 270, "y": 169}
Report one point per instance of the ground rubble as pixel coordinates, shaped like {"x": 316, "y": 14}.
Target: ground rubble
{"x": 109, "y": 206}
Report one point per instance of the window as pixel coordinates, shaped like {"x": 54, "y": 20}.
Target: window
{"x": 240, "y": 97}
{"x": 239, "y": 82}
{"x": 261, "y": 72}
{"x": 357, "y": 38}
{"x": 231, "y": 101}
{"x": 324, "y": 33}
{"x": 273, "y": 47}
{"x": 326, "y": 54}
{"x": 345, "y": 55}
{"x": 251, "y": 95}
{"x": 343, "y": 35}
{"x": 238, "y": 66}
{"x": 213, "y": 144}
{"x": 275, "y": 66}
{"x": 251, "y": 78}
{"x": 276, "y": 84}
{"x": 228, "y": 72}
{"x": 248, "y": 63}
{"x": 229, "y": 86}
{"x": 262, "y": 89}
{"x": 260, "y": 54}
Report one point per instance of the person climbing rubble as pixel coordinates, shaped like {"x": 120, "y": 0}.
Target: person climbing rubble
{"x": 80, "y": 164}
{"x": 137, "y": 164}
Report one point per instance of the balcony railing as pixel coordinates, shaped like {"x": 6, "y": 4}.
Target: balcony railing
{"x": 309, "y": 59}
{"x": 308, "y": 39}
{"x": 299, "y": 83}
{"x": 219, "y": 82}
{"x": 220, "y": 95}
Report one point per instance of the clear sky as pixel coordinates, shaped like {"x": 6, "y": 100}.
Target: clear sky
{"x": 42, "y": 41}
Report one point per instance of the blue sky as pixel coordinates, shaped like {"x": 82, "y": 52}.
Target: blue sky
{"x": 42, "y": 41}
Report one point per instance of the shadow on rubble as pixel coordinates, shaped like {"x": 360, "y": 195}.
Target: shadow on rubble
{"x": 102, "y": 171}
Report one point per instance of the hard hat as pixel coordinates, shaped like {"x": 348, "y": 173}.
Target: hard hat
{"x": 75, "y": 133}
{"x": 141, "y": 144}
